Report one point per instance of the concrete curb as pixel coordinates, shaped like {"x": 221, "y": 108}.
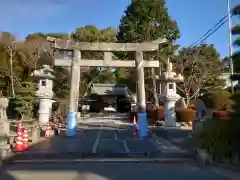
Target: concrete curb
{"x": 110, "y": 160}
{"x": 226, "y": 166}
{"x": 205, "y": 158}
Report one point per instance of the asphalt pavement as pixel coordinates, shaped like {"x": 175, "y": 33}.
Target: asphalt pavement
{"x": 97, "y": 135}
{"x": 112, "y": 171}
{"x": 86, "y": 156}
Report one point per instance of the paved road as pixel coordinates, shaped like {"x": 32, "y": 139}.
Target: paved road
{"x": 102, "y": 134}
{"x": 108, "y": 135}
{"x": 112, "y": 171}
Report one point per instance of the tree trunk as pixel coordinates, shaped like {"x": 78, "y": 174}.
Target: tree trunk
{"x": 187, "y": 99}
{"x": 156, "y": 103}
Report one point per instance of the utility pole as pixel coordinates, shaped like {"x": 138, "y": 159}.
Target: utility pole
{"x": 230, "y": 43}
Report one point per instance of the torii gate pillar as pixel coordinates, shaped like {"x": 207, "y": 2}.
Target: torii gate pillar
{"x": 74, "y": 94}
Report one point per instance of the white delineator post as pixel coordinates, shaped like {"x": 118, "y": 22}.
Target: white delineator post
{"x": 169, "y": 94}
{"x": 44, "y": 93}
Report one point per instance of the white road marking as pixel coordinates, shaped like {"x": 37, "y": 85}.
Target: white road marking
{"x": 115, "y": 136}
{"x": 125, "y": 145}
{"x": 94, "y": 149}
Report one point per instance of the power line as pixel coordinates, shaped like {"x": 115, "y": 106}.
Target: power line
{"x": 220, "y": 23}
{"x": 217, "y": 28}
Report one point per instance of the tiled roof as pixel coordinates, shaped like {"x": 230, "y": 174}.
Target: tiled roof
{"x": 109, "y": 89}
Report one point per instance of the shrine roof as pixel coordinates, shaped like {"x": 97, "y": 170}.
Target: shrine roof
{"x": 109, "y": 89}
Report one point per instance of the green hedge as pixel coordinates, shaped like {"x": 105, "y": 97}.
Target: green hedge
{"x": 218, "y": 100}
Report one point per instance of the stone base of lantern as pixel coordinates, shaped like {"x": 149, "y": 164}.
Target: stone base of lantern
{"x": 45, "y": 106}
{"x": 169, "y": 111}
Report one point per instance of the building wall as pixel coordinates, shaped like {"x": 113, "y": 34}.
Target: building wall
{"x": 226, "y": 77}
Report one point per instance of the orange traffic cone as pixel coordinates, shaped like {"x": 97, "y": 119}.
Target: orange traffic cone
{"x": 48, "y": 131}
{"x": 19, "y": 143}
{"x": 25, "y": 139}
{"x": 135, "y": 126}
{"x": 134, "y": 120}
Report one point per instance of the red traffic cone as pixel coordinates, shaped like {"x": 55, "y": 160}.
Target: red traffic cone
{"x": 19, "y": 143}
{"x": 135, "y": 133}
{"x": 25, "y": 139}
{"x": 48, "y": 131}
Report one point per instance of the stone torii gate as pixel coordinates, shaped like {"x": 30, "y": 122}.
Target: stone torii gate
{"x": 75, "y": 61}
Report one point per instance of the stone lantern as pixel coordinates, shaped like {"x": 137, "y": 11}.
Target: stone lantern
{"x": 44, "y": 93}
{"x": 169, "y": 94}
{"x": 4, "y": 129}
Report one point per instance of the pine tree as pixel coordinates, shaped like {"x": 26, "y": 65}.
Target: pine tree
{"x": 147, "y": 20}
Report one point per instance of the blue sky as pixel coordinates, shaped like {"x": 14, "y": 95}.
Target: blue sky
{"x": 194, "y": 17}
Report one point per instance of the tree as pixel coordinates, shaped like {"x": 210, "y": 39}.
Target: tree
{"x": 25, "y": 98}
{"x": 147, "y": 20}
{"x": 15, "y": 81}
{"x": 39, "y": 51}
{"x": 236, "y": 32}
{"x": 38, "y": 36}
{"x": 234, "y": 126}
{"x": 201, "y": 68}
{"x": 90, "y": 33}
{"x": 10, "y": 56}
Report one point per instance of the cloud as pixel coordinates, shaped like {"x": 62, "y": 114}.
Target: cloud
{"x": 20, "y": 11}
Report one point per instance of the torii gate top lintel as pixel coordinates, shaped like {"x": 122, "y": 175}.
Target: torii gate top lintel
{"x": 108, "y": 48}
{"x": 111, "y": 47}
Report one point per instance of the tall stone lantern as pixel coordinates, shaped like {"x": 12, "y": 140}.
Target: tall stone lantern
{"x": 44, "y": 93}
{"x": 169, "y": 94}
{"x": 4, "y": 129}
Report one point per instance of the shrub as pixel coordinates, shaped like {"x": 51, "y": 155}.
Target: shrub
{"x": 219, "y": 137}
{"x": 224, "y": 115}
{"x": 185, "y": 115}
{"x": 215, "y": 138}
{"x": 218, "y": 100}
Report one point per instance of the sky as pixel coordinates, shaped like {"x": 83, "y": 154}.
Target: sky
{"x": 194, "y": 17}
